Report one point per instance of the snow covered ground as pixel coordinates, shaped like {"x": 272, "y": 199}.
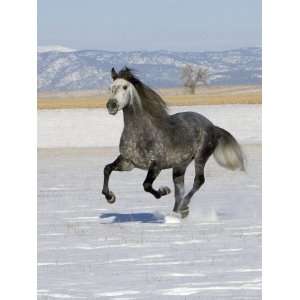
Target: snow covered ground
{"x": 96, "y": 128}
{"x": 88, "y": 249}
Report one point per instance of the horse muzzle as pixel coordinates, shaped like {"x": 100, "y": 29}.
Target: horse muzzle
{"x": 112, "y": 106}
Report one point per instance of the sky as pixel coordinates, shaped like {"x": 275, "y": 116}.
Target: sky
{"x": 175, "y": 25}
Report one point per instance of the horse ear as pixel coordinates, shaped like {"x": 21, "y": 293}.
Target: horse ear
{"x": 114, "y": 74}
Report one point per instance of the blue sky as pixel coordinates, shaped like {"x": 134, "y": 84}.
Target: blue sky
{"x": 192, "y": 25}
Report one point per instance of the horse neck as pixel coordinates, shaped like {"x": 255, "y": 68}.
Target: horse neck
{"x": 132, "y": 119}
{"x": 137, "y": 120}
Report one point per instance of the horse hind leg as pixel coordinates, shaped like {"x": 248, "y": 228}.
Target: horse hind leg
{"x": 178, "y": 179}
{"x": 200, "y": 160}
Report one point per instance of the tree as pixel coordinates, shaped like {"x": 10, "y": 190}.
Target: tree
{"x": 193, "y": 76}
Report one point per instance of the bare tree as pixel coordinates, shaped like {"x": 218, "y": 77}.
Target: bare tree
{"x": 193, "y": 76}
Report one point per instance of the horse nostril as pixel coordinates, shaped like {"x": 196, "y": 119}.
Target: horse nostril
{"x": 112, "y": 105}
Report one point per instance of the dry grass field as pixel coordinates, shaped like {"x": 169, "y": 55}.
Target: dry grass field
{"x": 174, "y": 97}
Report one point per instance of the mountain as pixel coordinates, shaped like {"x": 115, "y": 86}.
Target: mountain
{"x": 54, "y": 48}
{"x": 60, "y": 70}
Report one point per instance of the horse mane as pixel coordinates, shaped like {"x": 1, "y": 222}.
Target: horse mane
{"x": 151, "y": 102}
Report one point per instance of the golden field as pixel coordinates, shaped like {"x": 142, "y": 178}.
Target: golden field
{"x": 208, "y": 95}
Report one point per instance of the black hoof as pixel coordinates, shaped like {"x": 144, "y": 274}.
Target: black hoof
{"x": 184, "y": 212}
{"x": 110, "y": 198}
{"x": 164, "y": 190}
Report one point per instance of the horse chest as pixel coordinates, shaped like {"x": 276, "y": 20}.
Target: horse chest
{"x": 140, "y": 149}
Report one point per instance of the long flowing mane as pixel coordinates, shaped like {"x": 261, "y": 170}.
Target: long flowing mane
{"x": 150, "y": 100}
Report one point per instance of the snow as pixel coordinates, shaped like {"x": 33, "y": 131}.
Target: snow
{"x": 57, "y": 48}
{"x": 88, "y": 127}
{"x": 89, "y": 249}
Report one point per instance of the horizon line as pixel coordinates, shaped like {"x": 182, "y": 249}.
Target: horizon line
{"x": 144, "y": 50}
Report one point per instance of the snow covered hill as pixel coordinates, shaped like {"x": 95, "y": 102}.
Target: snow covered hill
{"x": 54, "y": 48}
{"x": 64, "y": 69}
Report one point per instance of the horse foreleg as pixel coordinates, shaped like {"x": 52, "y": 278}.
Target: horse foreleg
{"x": 153, "y": 172}
{"x": 120, "y": 164}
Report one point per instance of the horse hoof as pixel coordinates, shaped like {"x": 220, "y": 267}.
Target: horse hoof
{"x": 164, "y": 190}
{"x": 111, "y": 198}
{"x": 184, "y": 212}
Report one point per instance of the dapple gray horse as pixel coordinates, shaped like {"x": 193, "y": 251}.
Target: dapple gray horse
{"x": 153, "y": 140}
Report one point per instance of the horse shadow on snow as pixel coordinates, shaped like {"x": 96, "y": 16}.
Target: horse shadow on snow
{"x": 141, "y": 217}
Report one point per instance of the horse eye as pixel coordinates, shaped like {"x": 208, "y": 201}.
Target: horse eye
{"x": 125, "y": 87}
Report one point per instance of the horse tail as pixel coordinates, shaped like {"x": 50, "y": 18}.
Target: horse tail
{"x": 228, "y": 152}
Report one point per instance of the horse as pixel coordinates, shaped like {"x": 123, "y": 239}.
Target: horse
{"x": 154, "y": 140}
